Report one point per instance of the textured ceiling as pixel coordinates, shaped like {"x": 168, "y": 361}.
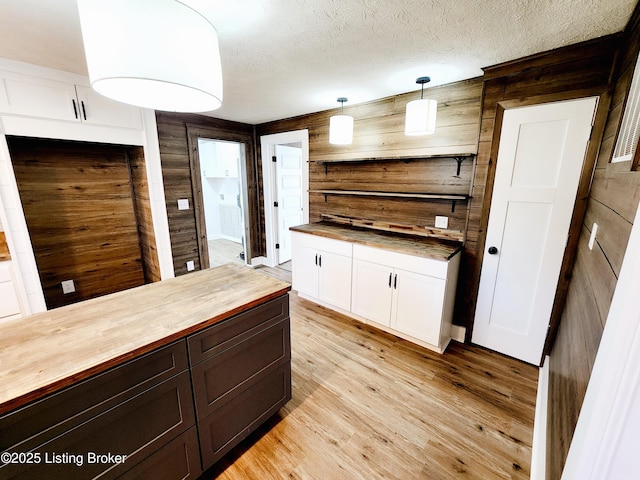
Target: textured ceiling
{"x": 282, "y": 58}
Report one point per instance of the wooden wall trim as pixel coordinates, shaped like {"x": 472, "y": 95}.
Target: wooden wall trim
{"x": 193, "y": 133}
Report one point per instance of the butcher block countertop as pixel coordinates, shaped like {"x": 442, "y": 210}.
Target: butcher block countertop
{"x": 428, "y": 247}
{"x": 48, "y": 351}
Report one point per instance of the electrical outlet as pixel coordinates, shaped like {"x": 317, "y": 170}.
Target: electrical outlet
{"x": 68, "y": 287}
{"x": 592, "y": 238}
{"x": 183, "y": 204}
{"x": 190, "y": 266}
{"x": 442, "y": 222}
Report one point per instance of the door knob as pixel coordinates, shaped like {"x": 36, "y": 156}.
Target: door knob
{"x": 492, "y": 250}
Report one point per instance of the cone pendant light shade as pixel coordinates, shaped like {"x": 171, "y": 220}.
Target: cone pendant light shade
{"x": 341, "y": 127}
{"x": 158, "y": 54}
{"x": 421, "y": 114}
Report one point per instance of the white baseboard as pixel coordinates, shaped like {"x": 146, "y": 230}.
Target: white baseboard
{"x": 539, "y": 446}
{"x": 458, "y": 333}
{"x": 258, "y": 261}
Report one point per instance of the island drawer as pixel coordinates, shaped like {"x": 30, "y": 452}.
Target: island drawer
{"x": 241, "y": 415}
{"x": 39, "y": 421}
{"x": 129, "y": 432}
{"x": 226, "y": 334}
{"x": 177, "y": 460}
{"x": 221, "y": 377}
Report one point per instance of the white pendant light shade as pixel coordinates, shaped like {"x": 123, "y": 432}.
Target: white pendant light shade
{"x": 158, "y": 54}
{"x": 421, "y": 117}
{"x": 341, "y": 127}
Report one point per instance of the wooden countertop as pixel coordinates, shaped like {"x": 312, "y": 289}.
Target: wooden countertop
{"x": 4, "y": 248}
{"x": 428, "y": 247}
{"x": 48, "y": 351}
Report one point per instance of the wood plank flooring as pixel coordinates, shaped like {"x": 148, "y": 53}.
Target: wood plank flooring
{"x": 367, "y": 405}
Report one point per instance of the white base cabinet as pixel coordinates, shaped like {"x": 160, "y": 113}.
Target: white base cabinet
{"x": 411, "y": 297}
{"x": 321, "y": 267}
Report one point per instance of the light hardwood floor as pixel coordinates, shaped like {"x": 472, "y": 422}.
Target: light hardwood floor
{"x": 223, "y": 251}
{"x": 367, "y": 405}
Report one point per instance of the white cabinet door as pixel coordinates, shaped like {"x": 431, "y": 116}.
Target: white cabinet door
{"x": 99, "y": 110}
{"x": 39, "y": 97}
{"x": 371, "y": 291}
{"x": 334, "y": 279}
{"x": 44, "y": 98}
{"x": 417, "y": 305}
{"x": 304, "y": 270}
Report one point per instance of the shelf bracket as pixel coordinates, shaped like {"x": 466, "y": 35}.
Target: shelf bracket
{"x": 459, "y": 160}
{"x": 325, "y": 197}
{"x": 453, "y": 206}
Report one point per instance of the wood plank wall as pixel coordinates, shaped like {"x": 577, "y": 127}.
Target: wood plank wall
{"x": 437, "y": 175}
{"x": 379, "y": 134}
{"x": 144, "y": 219}
{"x": 174, "y": 155}
{"x": 78, "y": 205}
{"x": 612, "y": 204}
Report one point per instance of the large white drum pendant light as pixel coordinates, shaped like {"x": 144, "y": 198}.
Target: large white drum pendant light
{"x": 158, "y": 54}
{"x": 421, "y": 114}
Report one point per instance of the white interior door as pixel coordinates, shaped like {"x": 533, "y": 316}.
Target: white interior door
{"x": 289, "y": 211}
{"x": 542, "y": 149}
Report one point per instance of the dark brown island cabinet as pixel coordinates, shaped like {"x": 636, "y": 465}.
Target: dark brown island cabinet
{"x": 169, "y": 413}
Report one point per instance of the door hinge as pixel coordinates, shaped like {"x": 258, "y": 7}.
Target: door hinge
{"x": 275, "y": 204}
{"x": 277, "y": 246}
{"x": 274, "y": 159}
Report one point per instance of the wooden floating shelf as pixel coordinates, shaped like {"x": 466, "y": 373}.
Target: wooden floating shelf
{"x": 415, "y": 196}
{"x": 459, "y": 158}
{"x": 400, "y": 159}
{"x": 425, "y": 196}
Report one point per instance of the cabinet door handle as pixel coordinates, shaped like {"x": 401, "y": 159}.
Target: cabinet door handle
{"x": 390, "y": 274}
{"x": 320, "y": 261}
{"x": 75, "y": 108}
{"x": 316, "y": 259}
{"x": 395, "y": 281}
{"x": 84, "y": 113}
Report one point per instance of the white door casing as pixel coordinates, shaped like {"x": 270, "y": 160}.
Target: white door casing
{"x": 289, "y": 188}
{"x": 540, "y": 157}
{"x": 267, "y": 144}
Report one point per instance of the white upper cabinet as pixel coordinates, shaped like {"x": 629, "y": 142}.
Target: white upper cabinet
{"x": 57, "y": 100}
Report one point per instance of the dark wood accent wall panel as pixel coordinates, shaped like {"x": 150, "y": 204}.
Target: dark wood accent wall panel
{"x": 144, "y": 218}
{"x": 378, "y": 130}
{"x": 78, "y": 205}
{"x": 176, "y": 172}
{"x": 437, "y": 175}
{"x": 612, "y": 204}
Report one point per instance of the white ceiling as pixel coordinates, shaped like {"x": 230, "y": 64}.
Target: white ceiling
{"x": 282, "y": 58}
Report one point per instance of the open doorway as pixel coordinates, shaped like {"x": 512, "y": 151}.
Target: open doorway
{"x": 220, "y": 196}
{"x": 223, "y": 205}
{"x": 285, "y": 169}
